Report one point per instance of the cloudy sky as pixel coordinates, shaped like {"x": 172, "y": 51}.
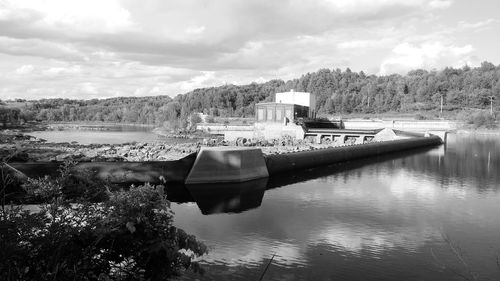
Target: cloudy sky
{"x": 97, "y": 49}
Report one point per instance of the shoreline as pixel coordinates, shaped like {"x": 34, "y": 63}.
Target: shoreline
{"x": 490, "y": 132}
{"x": 28, "y": 148}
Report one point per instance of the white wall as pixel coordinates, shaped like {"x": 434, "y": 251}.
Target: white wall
{"x": 421, "y": 125}
{"x": 300, "y": 98}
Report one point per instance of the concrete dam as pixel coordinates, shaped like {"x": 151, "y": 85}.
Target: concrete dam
{"x": 228, "y": 164}
{"x": 292, "y": 114}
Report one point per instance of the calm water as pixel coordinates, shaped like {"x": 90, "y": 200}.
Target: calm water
{"x": 382, "y": 219}
{"x": 112, "y": 135}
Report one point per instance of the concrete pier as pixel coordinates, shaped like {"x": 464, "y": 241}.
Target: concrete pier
{"x": 227, "y": 164}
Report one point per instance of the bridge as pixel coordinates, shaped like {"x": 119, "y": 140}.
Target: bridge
{"x": 351, "y": 136}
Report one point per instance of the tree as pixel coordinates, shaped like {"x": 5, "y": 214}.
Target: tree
{"x": 352, "y": 92}
{"x": 9, "y": 116}
{"x": 194, "y": 119}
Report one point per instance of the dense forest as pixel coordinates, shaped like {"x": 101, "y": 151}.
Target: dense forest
{"x": 338, "y": 92}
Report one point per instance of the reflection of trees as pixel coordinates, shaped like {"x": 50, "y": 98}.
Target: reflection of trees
{"x": 345, "y": 169}
{"x": 464, "y": 160}
{"x": 468, "y": 160}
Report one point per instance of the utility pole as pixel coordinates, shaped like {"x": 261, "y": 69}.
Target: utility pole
{"x": 441, "y": 105}
{"x": 491, "y": 105}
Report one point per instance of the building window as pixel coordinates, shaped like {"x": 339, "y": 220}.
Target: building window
{"x": 279, "y": 115}
{"x": 269, "y": 114}
{"x": 288, "y": 114}
{"x": 260, "y": 114}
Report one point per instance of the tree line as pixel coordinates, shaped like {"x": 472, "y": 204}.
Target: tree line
{"x": 337, "y": 92}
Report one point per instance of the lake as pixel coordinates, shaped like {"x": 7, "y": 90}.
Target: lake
{"x": 429, "y": 214}
{"x": 109, "y": 134}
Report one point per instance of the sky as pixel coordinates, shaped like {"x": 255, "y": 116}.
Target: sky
{"x": 108, "y": 48}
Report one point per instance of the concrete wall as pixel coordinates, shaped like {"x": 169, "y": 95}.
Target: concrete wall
{"x": 269, "y": 130}
{"x": 266, "y": 130}
{"x": 219, "y": 129}
{"x": 227, "y": 164}
{"x": 411, "y": 125}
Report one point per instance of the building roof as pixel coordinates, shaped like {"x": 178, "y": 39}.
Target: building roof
{"x": 276, "y": 103}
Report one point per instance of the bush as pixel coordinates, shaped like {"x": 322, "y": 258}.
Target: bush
{"x": 130, "y": 236}
{"x": 209, "y": 119}
{"x": 10, "y": 186}
{"x": 419, "y": 116}
{"x": 478, "y": 119}
{"x": 69, "y": 186}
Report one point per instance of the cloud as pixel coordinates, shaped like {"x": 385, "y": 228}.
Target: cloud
{"x": 364, "y": 44}
{"x": 127, "y": 47}
{"x": 90, "y": 16}
{"x": 479, "y": 24}
{"x": 376, "y": 6}
{"x": 41, "y": 48}
{"x": 57, "y": 71}
{"x": 195, "y": 29}
{"x": 406, "y": 56}
{"x": 25, "y": 69}
{"x": 164, "y": 29}
{"x": 440, "y": 4}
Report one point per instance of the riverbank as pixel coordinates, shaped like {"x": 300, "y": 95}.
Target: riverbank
{"x": 20, "y": 147}
{"x": 160, "y": 131}
{"x": 24, "y": 148}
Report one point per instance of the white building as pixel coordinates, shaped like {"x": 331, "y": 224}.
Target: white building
{"x": 299, "y": 98}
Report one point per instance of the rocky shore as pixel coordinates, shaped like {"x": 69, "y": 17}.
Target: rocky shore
{"x": 17, "y": 147}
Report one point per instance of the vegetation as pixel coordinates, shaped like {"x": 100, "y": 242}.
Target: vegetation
{"x": 338, "y": 92}
{"x": 10, "y": 116}
{"x": 129, "y": 236}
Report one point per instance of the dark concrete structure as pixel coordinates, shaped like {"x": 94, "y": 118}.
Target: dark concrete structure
{"x": 287, "y": 162}
{"x": 227, "y": 164}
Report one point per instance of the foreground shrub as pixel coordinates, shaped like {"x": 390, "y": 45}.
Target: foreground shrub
{"x": 130, "y": 236}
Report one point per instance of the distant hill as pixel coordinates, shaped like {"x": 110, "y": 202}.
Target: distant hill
{"x": 338, "y": 92}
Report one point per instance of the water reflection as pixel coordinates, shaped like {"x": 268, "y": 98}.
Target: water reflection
{"x": 228, "y": 197}
{"x": 468, "y": 160}
{"x": 238, "y": 197}
{"x": 377, "y": 219}
{"x": 323, "y": 172}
